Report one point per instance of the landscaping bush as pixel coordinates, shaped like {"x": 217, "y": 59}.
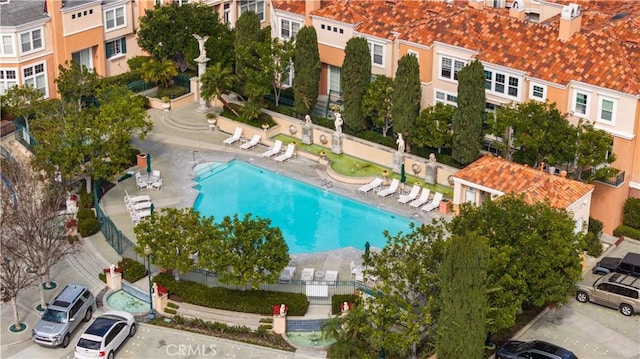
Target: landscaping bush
{"x": 85, "y": 213}
{"x": 88, "y": 227}
{"x": 135, "y": 63}
{"x": 595, "y": 227}
{"x": 338, "y": 299}
{"x": 102, "y": 276}
{"x": 170, "y": 310}
{"x": 627, "y": 232}
{"x": 593, "y": 245}
{"x": 86, "y": 200}
{"x": 262, "y": 118}
{"x": 631, "y": 213}
{"x": 172, "y": 305}
{"x": 122, "y": 79}
{"x": 246, "y": 301}
{"x": 132, "y": 270}
{"x": 171, "y": 92}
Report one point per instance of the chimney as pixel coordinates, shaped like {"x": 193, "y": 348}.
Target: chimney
{"x": 309, "y": 7}
{"x": 476, "y": 4}
{"x": 570, "y": 21}
{"x": 542, "y": 166}
{"x": 563, "y": 174}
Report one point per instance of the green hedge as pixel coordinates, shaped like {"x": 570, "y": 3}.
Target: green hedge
{"x": 87, "y": 222}
{"x": 132, "y": 270}
{"x": 246, "y": 301}
{"x": 171, "y": 92}
{"x": 593, "y": 245}
{"x": 631, "y": 213}
{"x": 627, "y": 232}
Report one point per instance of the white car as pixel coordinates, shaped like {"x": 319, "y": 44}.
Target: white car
{"x": 105, "y": 335}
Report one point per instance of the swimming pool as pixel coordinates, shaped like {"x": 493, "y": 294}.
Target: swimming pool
{"x": 311, "y": 219}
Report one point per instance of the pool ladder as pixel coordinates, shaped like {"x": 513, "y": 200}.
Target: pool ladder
{"x": 326, "y": 183}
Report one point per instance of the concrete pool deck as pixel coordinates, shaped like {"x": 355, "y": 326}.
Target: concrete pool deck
{"x": 181, "y": 139}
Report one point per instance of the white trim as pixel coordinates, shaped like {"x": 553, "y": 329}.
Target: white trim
{"x": 5, "y": 81}
{"x": 13, "y": 45}
{"x": 446, "y": 100}
{"x": 115, "y": 18}
{"x": 634, "y": 185}
{"x": 476, "y": 186}
{"x": 413, "y": 44}
{"x": 507, "y": 76}
{"x": 624, "y": 135}
{"x": 414, "y": 53}
{"x": 83, "y": 30}
{"x": 34, "y": 76}
{"x": 544, "y": 92}
{"x": 453, "y": 60}
{"x": 330, "y": 45}
{"x": 372, "y": 45}
{"x": 574, "y": 97}
{"x": 30, "y": 32}
{"x": 614, "y": 106}
{"x": 291, "y": 23}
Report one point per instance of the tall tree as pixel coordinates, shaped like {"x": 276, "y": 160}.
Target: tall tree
{"x": 467, "y": 121}
{"x": 407, "y": 271}
{"x": 30, "y": 216}
{"x": 76, "y": 83}
{"x": 307, "y": 68}
{"x": 377, "y": 103}
{"x": 534, "y": 256}
{"x": 407, "y": 93}
{"x": 433, "y": 127}
{"x": 355, "y": 78}
{"x": 248, "y": 36}
{"x": 345, "y": 330}
{"x": 13, "y": 277}
{"x": 175, "y": 237}
{"x": 246, "y": 251}
{"x": 20, "y": 102}
{"x": 281, "y": 53}
{"x": 463, "y": 298}
{"x": 166, "y": 32}
{"x": 594, "y": 153}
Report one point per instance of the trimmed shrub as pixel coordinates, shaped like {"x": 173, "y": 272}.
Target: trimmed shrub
{"x": 86, "y": 200}
{"x": 627, "y": 232}
{"x": 593, "y": 246}
{"x": 102, "y": 276}
{"x": 132, "y": 270}
{"x": 631, "y": 213}
{"x": 85, "y": 213}
{"x": 170, "y": 310}
{"x": 88, "y": 227}
{"x": 171, "y": 92}
{"x": 595, "y": 227}
{"x": 172, "y": 305}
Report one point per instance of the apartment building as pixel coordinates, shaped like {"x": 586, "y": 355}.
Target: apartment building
{"x": 582, "y": 55}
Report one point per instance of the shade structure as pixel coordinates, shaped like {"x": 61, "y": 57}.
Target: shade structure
{"x": 152, "y": 208}
{"x": 366, "y": 251}
{"x": 403, "y": 176}
{"x": 148, "y": 163}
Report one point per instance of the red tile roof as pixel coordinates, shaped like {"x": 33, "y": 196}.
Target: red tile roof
{"x": 603, "y": 54}
{"x": 292, "y": 6}
{"x": 537, "y": 186}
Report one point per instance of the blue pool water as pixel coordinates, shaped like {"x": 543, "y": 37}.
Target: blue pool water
{"x": 311, "y": 219}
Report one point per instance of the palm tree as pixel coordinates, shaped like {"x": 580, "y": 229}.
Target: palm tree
{"x": 159, "y": 71}
{"x": 216, "y": 82}
{"x": 344, "y": 331}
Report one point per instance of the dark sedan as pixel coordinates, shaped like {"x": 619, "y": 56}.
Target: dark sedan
{"x": 536, "y": 349}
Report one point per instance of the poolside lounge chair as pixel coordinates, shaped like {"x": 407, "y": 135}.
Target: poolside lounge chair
{"x": 287, "y": 274}
{"x": 249, "y": 145}
{"x": 135, "y": 199}
{"x": 424, "y": 198}
{"x": 139, "y": 206}
{"x": 277, "y": 146}
{"x": 435, "y": 202}
{"x": 355, "y": 269}
{"x": 137, "y": 216}
{"x": 307, "y": 274}
{"x": 288, "y": 153}
{"x": 331, "y": 277}
{"x": 391, "y": 189}
{"x": 235, "y": 138}
{"x": 157, "y": 185}
{"x": 404, "y": 199}
{"x": 371, "y": 185}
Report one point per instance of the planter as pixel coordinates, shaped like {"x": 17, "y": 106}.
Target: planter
{"x": 166, "y": 106}
{"x": 445, "y": 206}
{"x": 141, "y": 160}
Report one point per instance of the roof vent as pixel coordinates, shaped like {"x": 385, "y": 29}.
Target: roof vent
{"x": 570, "y": 11}
{"x": 618, "y": 16}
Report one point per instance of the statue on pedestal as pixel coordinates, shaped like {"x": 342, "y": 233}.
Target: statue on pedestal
{"x": 307, "y": 131}
{"x": 155, "y": 288}
{"x": 201, "y": 42}
{"x": 112, "y": 270}
{"x": 400, "y": 142}
{"x": 338, "y": 122}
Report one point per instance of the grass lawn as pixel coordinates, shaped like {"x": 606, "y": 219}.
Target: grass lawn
{"x": 352, "y": 166}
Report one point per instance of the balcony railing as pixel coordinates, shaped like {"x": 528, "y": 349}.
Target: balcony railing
{"x": 616, "y": 180}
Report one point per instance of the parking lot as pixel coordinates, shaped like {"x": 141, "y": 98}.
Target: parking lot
{"x": 589, "y": 330}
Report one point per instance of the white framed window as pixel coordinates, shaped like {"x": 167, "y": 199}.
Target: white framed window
{"x": 114, "y": 18}
{"x": 83, "y": 58}
{"x": 116, "y": 47}
{"x": 470, "y": 196}
{"x": 607, "y": 109}
{"x": 7, "y": 48}
{"x": 412, "y": 53}
{"x": 377, "y": 54}
{"x": 446, "y": 98}
{"x": 226, "y": 10}
{"x": 256, "y": 6}
{"x": 449, "y": 68}
{"x": 8, "y": 79}
{"x": 501, "y": 84}
{"x": 334, "y": 79}
{"x": 31, "y": 41}
{"x": 289, "y": 29}
{"x": 288, "y": 82}
{"x": 36, "y": 76}
{"x": 538, "y": 92}
{"x": 580, "y": 103}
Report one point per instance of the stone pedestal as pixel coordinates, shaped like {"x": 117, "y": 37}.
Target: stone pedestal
{"x": 159, "y": 301}
{"x": 336, "y": 143}
{"x": 114, "y": 281}
{"x": 398, "y": 160}
{"x": 279, "y": 324}
{"x": 307, "y": 134}
{"x": 202, "y": 67}
{"x": 431, "y": 174}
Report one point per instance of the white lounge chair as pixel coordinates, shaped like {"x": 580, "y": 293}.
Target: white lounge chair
{"x": 287, "y": 274}
{"x": 157, "y": 185}
{"x": 137, "y": 216}
{"x": 235, "y": 138}
{"x": 371, "y": 185}
{"x": 391, "y": 189}
{"x": 404, "y": 199}
{"x": 307, "y": 274}
{"x": 355, "y": 269}
{"x": 255, "y": 140}
{"x": 135, "y": 199}
{"x": 424, "y": 198}
{"x": 139, "y": 206}
{"x": 288, "y": 153}
{"x": 277, "y": 147}
{"x": 331, "y": 277}
{"x": 435, "y": 202}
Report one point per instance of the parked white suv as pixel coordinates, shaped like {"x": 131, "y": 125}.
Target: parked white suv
{"x": 613, "y": 290}
{"x": 105, "y": 335}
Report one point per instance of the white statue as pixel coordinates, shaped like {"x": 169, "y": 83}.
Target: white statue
{"x": 307, "y": 120}
{"x": 112, "y": 270}
{"x": 201, "y": 41}
{"x": 283, "y": 310}
{"x": 155, "y": 288}
{"x": 345, "y": 307}
{"x": 400, "y": 143}
{"x": 338, "y": 122}
{"x": 432, "y": 158}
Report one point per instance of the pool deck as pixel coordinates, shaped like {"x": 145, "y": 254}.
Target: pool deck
{"x": 177, "y": 145}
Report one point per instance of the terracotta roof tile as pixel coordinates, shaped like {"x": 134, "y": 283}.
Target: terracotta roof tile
{"x": 537, "y": 186}
{"x": 292, "y": 6}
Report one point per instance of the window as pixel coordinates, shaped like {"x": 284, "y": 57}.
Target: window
{"x": 500, "y": 83}
{"x": 446, "y": 98}
{"x": 36, "y": 76}
{"x": 116, "y": 47}
{"x": 606, "y": 113}
{"x": 538, "y": 92}
{"x": 288, "y": 82}
{"x": 256, "y": 6}
{"x": 289, "y": 29}
{"x": 412, "y": 53}
{"x": 377, "y": 54}
{"x": 31, "y": 41}
{"x": 8, "y": 79}
{"x": 83, "y": 58}
{"x": 6, "y": 48}
{"x": 449, "y": 68}
{"x": 334, "y": 79}
{"x": 488, "y": 78}
{"x": 470, "y": 196}
{"x": 114, "y": 18}
{"x": 227, "y": 13}
{"x": 513, "y": 86}
{"x": 581, "y": 102}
